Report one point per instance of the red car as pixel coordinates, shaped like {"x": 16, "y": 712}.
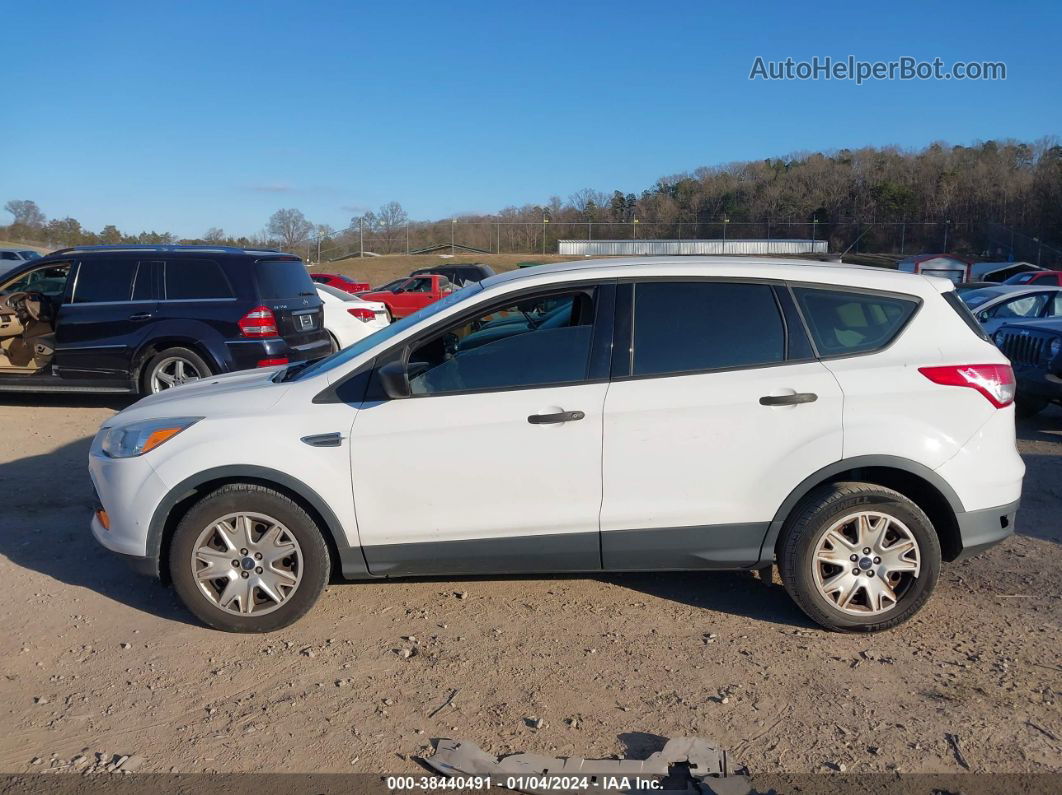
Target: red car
{"x": 1038, "y": 278}
{"x": 411, "y": 294}
{"x": 340, "y": 282}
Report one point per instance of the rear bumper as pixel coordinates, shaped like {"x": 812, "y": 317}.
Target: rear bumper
{"x": 246, "y": 354}
{"x": 979, "y": 530}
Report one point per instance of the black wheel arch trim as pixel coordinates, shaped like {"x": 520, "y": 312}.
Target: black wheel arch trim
{"x": 351, "y": 559}
{"x": 825, "y": 474}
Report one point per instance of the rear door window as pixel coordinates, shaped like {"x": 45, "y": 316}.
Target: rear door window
{"x": 191, "y": 279}
{"x": 682, "y": 327}
{"x": 843, "y": 322}
{"x": 104, "y": 280}
{"x": 281, "y": 278}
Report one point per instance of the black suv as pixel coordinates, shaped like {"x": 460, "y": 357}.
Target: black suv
{"x": 145, "y": 318}
{"x": 1034, "y": 348}
{"x": 459, "y": 274}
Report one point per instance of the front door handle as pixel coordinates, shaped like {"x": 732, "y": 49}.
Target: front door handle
{"x": 560, "y": 416}
{"x": 139, "y": 316}
{"x": 788, "y": 400}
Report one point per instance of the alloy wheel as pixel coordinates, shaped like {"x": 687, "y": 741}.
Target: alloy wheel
{"x": 248, "y": 564}
{"x": 173, "y": 371}
{"x": 865, "y": 562}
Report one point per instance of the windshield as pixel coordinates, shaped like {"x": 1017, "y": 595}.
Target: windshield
{"x": 975, "y": 298}
{"x": 335, "y": 292}
{"x": 1020, "y": 278}
{"x": 339, "y": 358}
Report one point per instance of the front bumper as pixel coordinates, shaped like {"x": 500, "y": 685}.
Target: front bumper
{"x": 979, "y": 530}
{"x": 141, "y": 564}
{"x": 129, "y": 490}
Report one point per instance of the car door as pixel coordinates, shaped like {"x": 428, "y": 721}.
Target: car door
{"x": 494, "y": 463}
{"x": 415, "y": 294}
{"x": 716, "y": 411}
{"x": 104, "y": 319}
{"x": 1022, "y": 307}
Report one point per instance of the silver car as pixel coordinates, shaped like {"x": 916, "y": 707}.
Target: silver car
{"x": 994, "y": 306}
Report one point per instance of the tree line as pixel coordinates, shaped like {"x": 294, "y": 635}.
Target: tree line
{"x": 879, "y": 197}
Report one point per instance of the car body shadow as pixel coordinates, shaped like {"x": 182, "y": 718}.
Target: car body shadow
{"x": 48, "y": 505}
{"x": 68, "y": 400}
{"x": 1042, "y": 488}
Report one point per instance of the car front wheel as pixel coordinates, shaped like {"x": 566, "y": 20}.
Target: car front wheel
{"x": 247, "y": 558}
{"x": 858, "y": 557}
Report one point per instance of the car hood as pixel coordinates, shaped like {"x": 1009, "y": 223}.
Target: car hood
{"x": 241, "y": 392}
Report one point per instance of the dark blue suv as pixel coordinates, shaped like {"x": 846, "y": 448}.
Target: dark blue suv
{"x": 145, "y": 318}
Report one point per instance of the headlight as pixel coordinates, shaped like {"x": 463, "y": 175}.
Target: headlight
{"x": 1055, "y": 347}
{"x": 998, "y": 338}
{"x": 138, "y": 438}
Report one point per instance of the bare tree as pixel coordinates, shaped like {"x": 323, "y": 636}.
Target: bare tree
{"x": 214, "y": 234}
{"x": 26, "y": 213}
{"x": 290, "y": 227}
{"x": 390, "y": 223}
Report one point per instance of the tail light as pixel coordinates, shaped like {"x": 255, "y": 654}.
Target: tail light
{"x": 365, "y": 315}
{"x": 994, "y": 381}
{"x": 272, "y": 362}
{"x": 259, "y": 322}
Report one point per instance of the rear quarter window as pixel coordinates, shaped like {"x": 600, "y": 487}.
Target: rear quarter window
{"x": 190, "y": 279}
{"x": 844, "y": 323}
{"x": 963, "y": 310}
{"x": 283, "y": 278}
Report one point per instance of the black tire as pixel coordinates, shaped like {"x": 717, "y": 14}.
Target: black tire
{"x": 814, "y": 516}
{"x": 1026, "y": 406}
{"x": 147, "y": 375}
{"x": 246, "y": 497}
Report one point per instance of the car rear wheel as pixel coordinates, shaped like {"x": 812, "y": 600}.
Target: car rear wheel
{"x": 858, "y": 557}
{"x": 247, "y": 558}
{"x": 173, "y": 367}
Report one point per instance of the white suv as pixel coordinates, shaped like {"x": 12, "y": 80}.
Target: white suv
{"x": 851, "y": 425}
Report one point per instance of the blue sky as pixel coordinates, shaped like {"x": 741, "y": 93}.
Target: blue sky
{"x": 180, "y": 116}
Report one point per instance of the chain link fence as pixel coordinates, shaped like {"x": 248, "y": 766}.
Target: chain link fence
{"x": 989, "y": 240}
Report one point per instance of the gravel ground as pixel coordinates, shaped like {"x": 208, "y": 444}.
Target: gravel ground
{"x": 98, "y": 661}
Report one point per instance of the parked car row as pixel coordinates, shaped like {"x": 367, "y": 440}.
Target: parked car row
{"x": 409, "y": 294}
{"x": 1024, "y": 320}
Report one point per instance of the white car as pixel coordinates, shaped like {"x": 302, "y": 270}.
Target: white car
{"x": 1010, "y": 303}
{"x": 348, "y": 318}
{"x": 851, "y": 425}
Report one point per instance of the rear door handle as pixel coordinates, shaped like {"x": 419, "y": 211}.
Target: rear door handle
{"x": 140, "y": 316}
{"x": 788, "y": 400}
{"x": 560, "y": 416}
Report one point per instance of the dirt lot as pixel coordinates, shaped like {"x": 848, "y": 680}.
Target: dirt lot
{"x": 96, "y": 659}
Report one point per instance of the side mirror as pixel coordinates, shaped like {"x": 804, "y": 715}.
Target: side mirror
{"x": 394, "y": 378}
{"x": 982, "y": 316}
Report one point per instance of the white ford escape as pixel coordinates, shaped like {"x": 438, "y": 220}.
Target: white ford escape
{"x": 851, "y": 425}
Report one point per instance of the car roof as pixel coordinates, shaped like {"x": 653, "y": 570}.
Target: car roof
{"x": 783, "y": 269}
{"x": 1011, "y": 289}
{"x": 169, "y": 250}
{"x": 1050, "y": 323}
